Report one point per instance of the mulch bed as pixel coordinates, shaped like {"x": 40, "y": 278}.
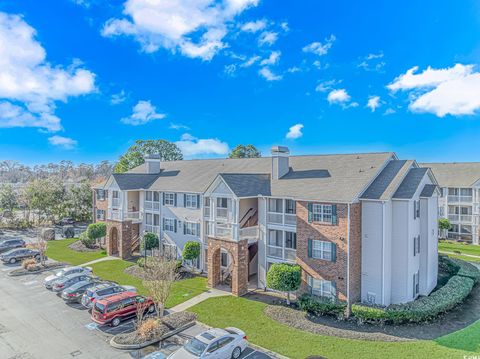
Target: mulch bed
{"x": 456, "y": 319}
{"x": 80, "y": 247}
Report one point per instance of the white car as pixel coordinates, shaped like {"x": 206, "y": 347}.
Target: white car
{"x": 62, "y": 273}
{"x": 214, "y": 344}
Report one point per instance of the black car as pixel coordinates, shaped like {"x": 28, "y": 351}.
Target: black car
{"x": 8, "y": 244}
{"x": 73, "y": 294}
{"x": 19, "y": 254}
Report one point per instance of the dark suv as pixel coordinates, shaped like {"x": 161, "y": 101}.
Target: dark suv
{"x": 19, "y": 254}
{"x": 8, "y": 244}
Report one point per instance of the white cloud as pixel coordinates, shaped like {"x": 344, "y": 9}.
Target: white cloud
{"x": 295, "y": 131}
{"x": 173, "y": 24}
{"x": 142, "y": 113}
{"x": 284, "y": 26}
{"x": 373, "y": 103}
{"x": 230, "y": 69}
{"x": 372, "y": 62}
{"x": 254, "y": 26}
{"x": 454, "y": 90}
{"x": 29, "y": 84}
{"x": 268, "y": 38}
{"x": 64, "y": 142}
{"x": 319, "y": 48}
{"x": 294, "y": 69}
{"x": 178, "y": 126}
{"x": 118, "y": 98}
{"x": 192, "y": 146}
{"x": 325, "y": 86}
{"x": 272, "y": 59}
{"x": 268, "y": 75}
{"x": 251, "y": 61}
{"x": 389, "y": 111}
{"x": 341, "y": 97}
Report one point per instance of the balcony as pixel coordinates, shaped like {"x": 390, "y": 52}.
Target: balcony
{"x": 460, "y": 199}
{"x": 282, "y": 219}
{"x": 222, "y": 213}
{"x": 152, "y": 229}
{"x": 152, "y": 206}
{"x": 460, "y": 218}
{"x": 206, "y": 212}
{"x": 284, "y": 253}
{"x": 116, "y": 202}
{"x": 117, "y": 215}
{"x": 249, "y": 232}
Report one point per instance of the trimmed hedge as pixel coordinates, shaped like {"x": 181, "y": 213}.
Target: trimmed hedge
{"x": 466, "y": 269}
{"x": 420, "y": 310}
{"x": 321, "y": 306}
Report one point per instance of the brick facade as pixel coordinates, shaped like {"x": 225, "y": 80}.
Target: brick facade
{"x": 338, "y": 234}
{"x": 238, "y": 252}
{"x": 120, "y": 236}
{"x": 99, "y": 204}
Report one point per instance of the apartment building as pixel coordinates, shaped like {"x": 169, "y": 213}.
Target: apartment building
{"x": 460, "y": 198}
{"x": 361, "y": 226}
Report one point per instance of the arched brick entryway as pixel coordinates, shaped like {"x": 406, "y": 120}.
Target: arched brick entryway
{"x": 238, "y": 252}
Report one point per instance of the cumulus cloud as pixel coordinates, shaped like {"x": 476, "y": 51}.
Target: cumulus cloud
{"x": 192, "y": 146}
{"x": 341, "y": 97}
{"x": 29, "y": 85}
{"x": 118, "y": 98}
{"x": 295, "y": 131}
{"x": 142, "y": 113}
{"x": 64, "y": 142}
{"x": 325, "y": 86}
{"x": 195, "y": 28}
{"x": 254, "y": 26}
{"x": 373, "y": 103}
{"x": 268, "y": 38}
{"x": 454, "y": 90}
{"x": 272, "y": 59}
{"x": 268, "y": 75}
{"x": 319, "y": 48}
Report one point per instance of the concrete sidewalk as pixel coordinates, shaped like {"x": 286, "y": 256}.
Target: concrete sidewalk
{"x": 108, "y": 258}
{"x": 210, "y": 293}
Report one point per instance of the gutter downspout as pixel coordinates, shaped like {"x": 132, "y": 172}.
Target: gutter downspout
{"x": 383, "y": 253}
{"x": 348, "y": 261}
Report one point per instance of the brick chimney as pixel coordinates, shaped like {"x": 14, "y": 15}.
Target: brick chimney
{"x": 280, "y": 166}
{"x": 153, "y": 163}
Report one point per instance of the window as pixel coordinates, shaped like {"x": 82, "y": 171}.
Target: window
{"x": 169, "y": 224}
{"x": 291, "y": 240}
{"x": 169, "y": 199}
{"x": 453, "y": 191}
{"x": 148, "y": 196}
{"x": 322, "y": 212}
{"x": 100, "y": 214}
{"x": 290, "y": 206}
{"x": 321, "y": 249}
{"x": 321, "y": 288}
{"x": 149, "y": 218}
{"x": 191, "y": 201}
{"x": 156, "y": 197}
{"x": 465, "y": 191}
{"x": 206, "y": 201}
{"x": 224, "y": 341}
{"x": 416, "y": 285}
{"x": 275, "y": 238}
{"x": 441, "y": 211}
{"x": 224, "y": 259}
{"x": 191, "y": 228}
{"x": 275, "y": 205}
{"x": 115, "y": 194}
{"x": 222, "y": 202}
{"x": 100, "y": 194}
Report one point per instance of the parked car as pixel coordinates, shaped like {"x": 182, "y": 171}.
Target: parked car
{"x": 104, "y": 290}
{"x": 7, "y": 244}
{"x": 61, "y": 273}
{"x": 73, "y": 294}
{"x": 66, "y": 220}
{"x": 69, "y": 280}
{"x": 114, "y": 309}
{"x": 215, "y": 344}
{"x": 18, "y": 254}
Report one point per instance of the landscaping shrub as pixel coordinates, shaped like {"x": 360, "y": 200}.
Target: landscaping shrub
{"x": 48, "y": 234}
{"x": 321, "y": 306}
{"x": 141, "y": 261}
{"x": 284, "y": 278}
{"x": 466, "y": 269}
{"x": 447, "y": 265}
{"x": 177, "y": 320}
{"x": 96, "y": 230}
{"x": 87, "y": 241}
{"x": 147, "y": 329}
{"x": 420, "y": 310}
{"x": 150, "y": 241}
{"x": 29, "y": 263}
{"x": 191, "y": 251}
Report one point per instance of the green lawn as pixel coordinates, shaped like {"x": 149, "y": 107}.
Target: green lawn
{"x": 450, "y": 246}
{"x": 59, "y": 251}
{"x": 182, "y": 290}
{"x": 248, "y": 315}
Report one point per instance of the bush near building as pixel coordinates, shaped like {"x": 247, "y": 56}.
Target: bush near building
{"x": 284, "y": 278}
{"x": 321, "y": 306}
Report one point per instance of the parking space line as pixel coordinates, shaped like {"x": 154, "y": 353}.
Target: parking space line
{"x": 31, "y": 282}
{"x": 253, "y": 352}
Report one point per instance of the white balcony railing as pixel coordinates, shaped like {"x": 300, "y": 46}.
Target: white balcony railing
{"x": 155, "y": 206}
{"x": 276, "y": 218}
{"x": 465, "y": 218}
{"x": 206, "y": 212}
{"x": 282, "y": 218}
{"x": 134, "y": 216}
{"x": 276, "y": 252}
{"x": 454, "y": 217}
{"x": 151, "y": 228}
{"x": 116, "y": 202}
{"x": 118, "y": 215}
{"x": 288, "y": 254}
{"x": 222, "y": 213}
{"x": 249, "y": 232}
{"x": 223, "y": 231}
{"x": 290, "y": 219}
{"x": 462, "y": 199}
{"x": 115, "y": 215}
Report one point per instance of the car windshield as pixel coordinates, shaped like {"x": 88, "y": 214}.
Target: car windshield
{"x": 100, "y": 307}
{"x": 195, "y": 347}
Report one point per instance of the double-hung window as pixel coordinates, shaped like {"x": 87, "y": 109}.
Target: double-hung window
{"x": 322, "y": 250}
{"x": 321, "y": 288}
{"x": 191, "y": 201}
{"x": 191, "y": 228}
{"x": 290, "y": 240}
{"x": 100, "y": 194}
{"x": 169, "y": 199}
{"x": 100, "y": 214}
{"x": 169, "y": 224}
{"x": 322, "y": 213}
{"x": 290, "y": 206}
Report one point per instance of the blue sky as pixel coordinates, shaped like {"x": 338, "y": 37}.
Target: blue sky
{"x": 83, "y": 79}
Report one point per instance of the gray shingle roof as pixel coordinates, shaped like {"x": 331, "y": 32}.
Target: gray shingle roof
{"x": 456, "y": 174}
{"x": 248, "y": 185}
{"x": 129, "y": 181}
{"x": 329, "y": 178}
{"x": 410, "y": 183}
{"x": 428, "y": 190}
{"x": 388, "y": 180}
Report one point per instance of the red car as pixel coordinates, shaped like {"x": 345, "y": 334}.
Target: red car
{"x": 114, "y": 309}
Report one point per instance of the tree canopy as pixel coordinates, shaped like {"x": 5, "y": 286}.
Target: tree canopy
{"x": 191, "y": 250}
{"x": 134, "y": 156}
{"x": 245, "y": 151}
{"x": 284, "y": 278}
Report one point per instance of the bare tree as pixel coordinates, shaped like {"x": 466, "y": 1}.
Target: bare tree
{"x": 40, "y": 244}
{"x": 159, "y": 278}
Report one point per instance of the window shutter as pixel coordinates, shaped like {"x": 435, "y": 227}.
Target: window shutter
{"x": 310, "y": 212}
{"x": 198, "y": 230}
{"x": 175, "y": 200}
{"x": 163, "y": 223}
{"x": 334, "y": 214}
{"x": 184, "y": 228}
{"x": 414, "y": 209}
{"x": 175, "y": 226}
{"x": 310, "y": 248}
{"x": 163, "y": 198}
{"x": 418, "y": 248}
{"x": 198, "y": 201}
{"x": 414, "y": 246}
{"x": 184, "y": 200}
{"x": 334, "y": 252}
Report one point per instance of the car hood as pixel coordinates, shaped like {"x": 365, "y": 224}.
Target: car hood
{"x": 183, "y": 354}
{"x": 51, "y": 278}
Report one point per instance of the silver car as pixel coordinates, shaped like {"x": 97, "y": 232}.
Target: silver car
{"x": 214, "y": 344}
{"x": 62, "y": 273}
{"x": 104, "y": 290}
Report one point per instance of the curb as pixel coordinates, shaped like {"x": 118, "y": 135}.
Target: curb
{"x": 150, "y": 342}
{"x": 12, "y": 274}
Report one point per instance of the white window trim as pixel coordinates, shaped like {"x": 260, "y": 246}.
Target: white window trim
{"x": 327, "y": 289}
{"x": 193, "y": 226}
{"x": 325, "y": 247}
{"x": 166, "y": 200}
{"x": 193, "y": 201}
{"x": 167, "y": 226}
{"x": 319, "y": 213}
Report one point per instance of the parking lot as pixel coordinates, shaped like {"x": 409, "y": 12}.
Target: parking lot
{"x": 36, "y": 323}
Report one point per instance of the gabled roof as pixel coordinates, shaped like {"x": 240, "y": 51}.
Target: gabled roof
{"x": 455, "y": 174}
{"x": 410, "y": 183}
{"x": 387, "y": 182}
{"x": 248, "y": 185}
{"x": 131, "y": 181}
{"x": 328, "y": 178}
{"x": 428, "y": 190}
